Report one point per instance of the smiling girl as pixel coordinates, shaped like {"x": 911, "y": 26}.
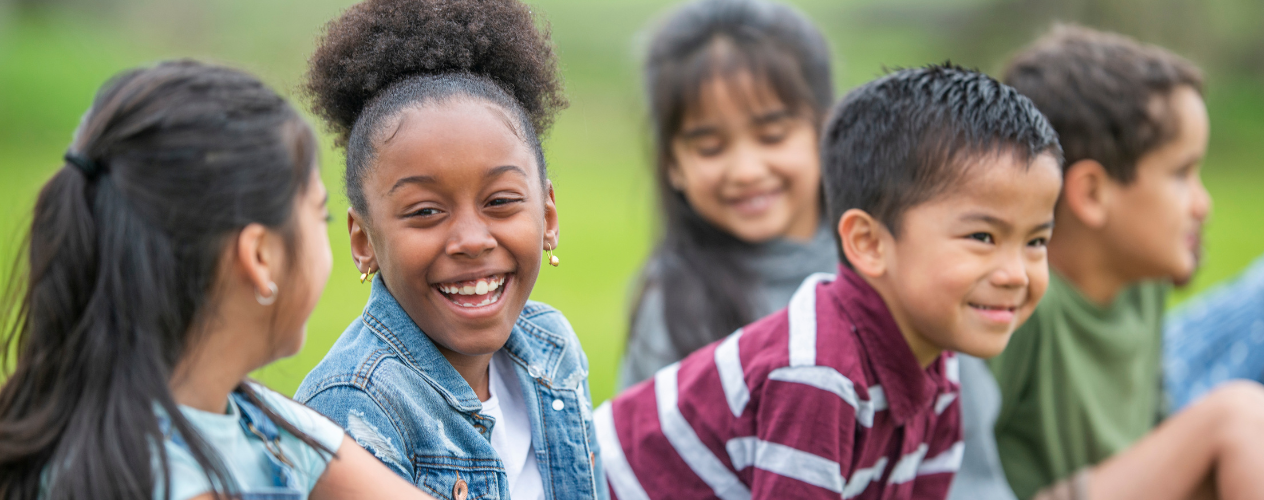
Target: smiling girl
{"x": 451, "y": 377}
{"x": 738, "y": 90}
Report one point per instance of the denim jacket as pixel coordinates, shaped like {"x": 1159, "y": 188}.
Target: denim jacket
{"x": 387, "y": 384}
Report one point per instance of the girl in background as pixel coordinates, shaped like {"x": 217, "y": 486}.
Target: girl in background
{"x": 451, "y": 377}
{"x": 737, "y": 90}
{"x": 181, "y": 246}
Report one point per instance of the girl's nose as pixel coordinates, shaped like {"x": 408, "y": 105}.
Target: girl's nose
{"x": 470, "y": 237}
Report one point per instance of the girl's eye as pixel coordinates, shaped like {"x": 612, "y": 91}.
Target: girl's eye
{"x": 1038, "y": 242}
{"x": 500, "y": 202}
{"x": 424, "y": 212}
{"x": 983, "y": 237}
{"x": 773, "y": 133}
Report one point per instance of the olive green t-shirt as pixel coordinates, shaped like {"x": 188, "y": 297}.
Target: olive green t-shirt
{"x": 1079, "y": 382}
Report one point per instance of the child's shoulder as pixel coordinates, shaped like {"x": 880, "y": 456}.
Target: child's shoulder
{"x": 543, "y": 319}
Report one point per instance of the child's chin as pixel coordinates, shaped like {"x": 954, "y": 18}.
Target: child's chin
{"x": 985, "y": 347}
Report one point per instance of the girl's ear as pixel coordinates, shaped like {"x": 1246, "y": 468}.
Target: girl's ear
{"x": 260, "y": 255}
{"x": 675, "y": 177}
{"x": 552, "y": 232}
{"x": 361, "y": 247}
{"x": 861, "y": 236}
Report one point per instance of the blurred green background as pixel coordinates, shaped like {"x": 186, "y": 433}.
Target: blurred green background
{"x": 55, "y": 53}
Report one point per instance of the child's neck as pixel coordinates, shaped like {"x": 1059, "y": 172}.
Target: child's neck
{"x": 925, "y": 351}
{"x": 473, "y": 368}
{"x": 1079, "y": 255}
{"x": 212, "y": 368}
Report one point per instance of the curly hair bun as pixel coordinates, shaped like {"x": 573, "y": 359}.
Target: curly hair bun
{"x": 377, "y": 43}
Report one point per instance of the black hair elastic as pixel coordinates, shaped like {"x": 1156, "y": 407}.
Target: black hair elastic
{"x": 90, "y": 169}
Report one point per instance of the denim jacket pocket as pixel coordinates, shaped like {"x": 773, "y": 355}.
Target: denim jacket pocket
{"x": 445, "y": 477}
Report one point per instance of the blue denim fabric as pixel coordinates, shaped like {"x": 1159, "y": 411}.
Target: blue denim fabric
{"x": 1214, "y": 337}
{"x": 285, "y": 484}
{"x": 398, "y": 397}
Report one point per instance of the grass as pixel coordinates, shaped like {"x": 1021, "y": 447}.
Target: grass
{"x": 51, "y": 64}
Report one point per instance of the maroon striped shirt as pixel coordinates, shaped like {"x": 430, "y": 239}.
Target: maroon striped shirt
{"x": 820, "y": 400}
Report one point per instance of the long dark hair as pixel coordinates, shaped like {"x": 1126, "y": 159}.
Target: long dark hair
{"x": 698, "y": 267}
{"x": 170, "y": 162}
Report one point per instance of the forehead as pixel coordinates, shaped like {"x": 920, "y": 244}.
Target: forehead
{"x": 1002, "y": 183}
{"x": 734, "y": 96}
{"x": 450, "y": 138}
{"x": 1187, "y": 114}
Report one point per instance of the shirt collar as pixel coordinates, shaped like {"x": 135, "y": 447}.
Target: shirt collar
{"x": 535, "y": 347}
{"x": 909, "y": 389}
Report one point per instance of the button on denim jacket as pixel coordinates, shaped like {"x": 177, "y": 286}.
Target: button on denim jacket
{"x": 390, "y": 388}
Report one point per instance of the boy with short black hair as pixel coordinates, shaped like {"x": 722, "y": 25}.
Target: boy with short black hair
{"x": 941, "y": 184}
{"x": 1081, "y": 380}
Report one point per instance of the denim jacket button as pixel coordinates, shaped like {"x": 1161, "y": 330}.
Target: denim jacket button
{"x": 460, "y": 490}
{"x": 558, "y": 405}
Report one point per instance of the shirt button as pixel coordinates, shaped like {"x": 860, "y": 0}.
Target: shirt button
{"x": 460, "y": 490}
{"x": 558, "y": 405}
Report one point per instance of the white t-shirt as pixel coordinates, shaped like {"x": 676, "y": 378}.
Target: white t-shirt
{"x": 511, "y": 436}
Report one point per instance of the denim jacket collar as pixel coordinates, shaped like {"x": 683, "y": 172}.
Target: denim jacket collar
{"x": 538, "y": 349}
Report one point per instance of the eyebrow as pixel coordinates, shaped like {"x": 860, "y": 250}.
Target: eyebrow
{"x": 697, "y": 132}
{"x": 997, "y": 221}
{"x": 772, "y": 116}
{"x": 503, "y": 169}
{"x": 414, "y": 179}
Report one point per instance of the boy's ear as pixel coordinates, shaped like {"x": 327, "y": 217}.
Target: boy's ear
{"x": 361, "y": 247}
{"x": 861, "y": 236}
{"x": 1087, "y": 192}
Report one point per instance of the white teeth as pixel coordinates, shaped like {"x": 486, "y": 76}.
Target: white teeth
{"x": 480, "y": 287}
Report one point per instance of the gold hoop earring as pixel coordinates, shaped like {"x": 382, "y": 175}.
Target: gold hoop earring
{"x": 365, "y": 276}
{"x": 553, "y": 260}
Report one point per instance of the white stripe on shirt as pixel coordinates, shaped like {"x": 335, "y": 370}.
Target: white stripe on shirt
{"x": 802, "y": 317}
{"x": 906, "y": 469}
{"x": 948, "y": 461}
{"x": 785, "y": 461}
{"x": 862, "y": 478}
{"x": 618, "y": 472}
{"x": 729, "y": 363}
{"x": 828, "y": 379}
{"x": 686, "y": 442}
{"x": 944, "y": 400}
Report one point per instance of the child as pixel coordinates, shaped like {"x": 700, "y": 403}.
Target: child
{"x": 1081, "y": 381}
{"x": 1215, "y": 337}
{"x": 738, "y": 90}
{"x": 451, "y": 377}
{"x": 181, "y": 246}
{"x": 941, "y": 184}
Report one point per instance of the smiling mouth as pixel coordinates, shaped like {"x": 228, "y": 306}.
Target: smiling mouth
{"x": 755, "y": 204}
{"x": 1002, "y": 314}
{"x": 475, "y": 293}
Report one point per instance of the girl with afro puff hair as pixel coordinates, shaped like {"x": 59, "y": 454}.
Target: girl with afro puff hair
{"x": 451, "y": 377}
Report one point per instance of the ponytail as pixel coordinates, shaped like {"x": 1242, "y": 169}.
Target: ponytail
{"x": 122, "y": 253}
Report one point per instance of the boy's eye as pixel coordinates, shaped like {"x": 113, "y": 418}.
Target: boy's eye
{"x": 983, "y": 237}
{"x": 1038, "y": 242}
